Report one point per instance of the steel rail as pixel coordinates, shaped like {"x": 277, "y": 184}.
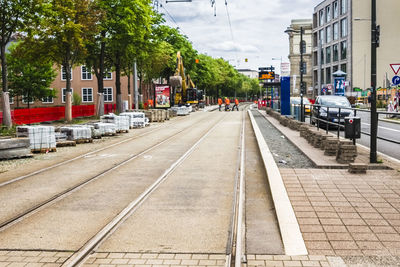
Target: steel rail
{"x": 78, "y": 257}
{"x": 234, "y": 246}
{"x": 79, "y": 157}
{"x": 17, "y": 218}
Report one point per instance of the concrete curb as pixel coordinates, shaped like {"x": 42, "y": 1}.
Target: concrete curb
{"x": 390, "y": 121}
{"x": 292, "y": 238}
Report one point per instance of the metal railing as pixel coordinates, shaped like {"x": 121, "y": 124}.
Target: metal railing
{"x": 316, "y": 120}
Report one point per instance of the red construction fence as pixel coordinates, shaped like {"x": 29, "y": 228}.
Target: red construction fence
{"x": 35, "y": 115}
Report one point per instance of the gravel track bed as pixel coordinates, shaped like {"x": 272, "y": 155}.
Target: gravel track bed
{"x": 286, "y": 154}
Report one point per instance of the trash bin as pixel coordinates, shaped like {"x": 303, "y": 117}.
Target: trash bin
{"x": 352, "y": 127}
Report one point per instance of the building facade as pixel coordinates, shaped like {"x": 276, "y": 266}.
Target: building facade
{"x": 294, "y": 56}
{"x": 252, "y": 74}
{"x": 342, "y": 41}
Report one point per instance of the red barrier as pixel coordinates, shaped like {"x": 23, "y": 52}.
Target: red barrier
{"x": 110, "y": 108}
{"x": 36, "y": 115}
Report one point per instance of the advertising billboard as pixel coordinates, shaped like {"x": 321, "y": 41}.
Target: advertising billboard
{"x": 162, "y": 96}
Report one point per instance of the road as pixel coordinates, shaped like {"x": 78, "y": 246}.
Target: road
{"x": 386, "y": 130}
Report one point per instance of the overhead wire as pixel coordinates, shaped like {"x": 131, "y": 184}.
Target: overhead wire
{"x": 172, "y": 18}
{"x": 231, "y": 31}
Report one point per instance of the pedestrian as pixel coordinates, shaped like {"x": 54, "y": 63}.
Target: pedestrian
{"x": 236, "y": 105}
{"x": 219, "y": 103}
{"x": 369, "y": 100}
{"x": 227, "y": 104}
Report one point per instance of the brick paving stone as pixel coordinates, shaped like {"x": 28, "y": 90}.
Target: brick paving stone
{"x": 99, "y": 255}
{"x": 292, "y": 263}
{"x": 183, "y": 256}
{"x": 17, "y": 264}
{"x": 255, "y": 262}
{"x": 391, "y": 216}
{"x": 251, "y": 257}
{"x": 207, "y": 262}
{"x": 274, "y": 263}
{"x": 369, "y": 245}
{"x": 16, "y": 259}
{"x": 322, "y": 214}
{"x": 386, "y": 210}
{"x": 217, "y": 257}
{"x": 310, "y": 263}
{"x": 349, "y": 221}
{"x": 282, "y": 258}
{"x": 306, "y": 214}
{"x": 344, "y": 209}
{"x": 376, "y": 252}
{"x": 139, "y": 255}
{"x": 200, "y": 257}
{"x": 348, "y": 252}
{"x": 371, "y": 215}
{"x": 52, "y": 265}
{"x": 340, "y": 204}
{"x": 150, "y": 256}
{"x": 344, "y": 245}
{"x": 136, "y": 261}
{"x": 15, "y": 253}
{"x": 308, "y": 221}
{"x": 318, "y": 245}
{"x": 314, "y": 237}
{"x": 33, "y": 264}
{"x": 48, "y": 259}
{"x": 317, "y": 258}
{"x": 383, "y": 229}
{"x": 103, "y": 261}
{"x": 33, "y": 259}
{"x": 389, "y": 237}
{"x": 48, "y": 254}
{"x": 311, "y": 228}
{"x": 324, "y": 209}
{"x": 303, "y": 208}
{"x": 375, "y": 222}
{"x": 300, "y": 258}
{"x": 329, "y": 221}
{"x": 190, "y": 262}
{"x": 339, "y": 236}
{"x": 264, "y": 257}
{"x": 364, "y": 237}
{"x": 335, "y": 228}
{"x": 394, "y": 222}
{"x": 359, "y": 229}
{"x": 120, "y": 261}
{"x": 30, "y": 253}
{"x": 61, "y": 259}
{"x": 365, "y": 209}
{"x": 321, "y": 251}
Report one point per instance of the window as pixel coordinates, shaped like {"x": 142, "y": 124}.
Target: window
{"x": 303, "y": 47}
{"x": 87, "y": 95}
{"x": 107, "y": 75}
{"x": 328, "y": 13}
{"x": 343, "y": 67}
{"x": 328, "y": 75}
{"x": 25, "y": 99}
{"x": 322, "y": 77}
{"x": 322, "y": 56}
{"x": 315, "y": 57}
{"x": 343, "y": 50}
{"x": 335, "y": 31}
{"x": 108, "y": 94}
{"x": 48, "y": 99}
{"x": 321, "y": 17}
{"x": 64, "y": 74}
{"x": 321, "y": 37}
{"x": 343, "y": 7}
{"x": 328, "y": 34}
{"x": 11, "y": 100}
{"x": 343, "y": 27}
{"x": 86, "y": 73}
{"x": 328, "y": 54}
{"x": 64, "y": 94}
{"x": 335, "y": 9}
{"x": 335, "y": 52}
{"x": 335, "y": 69}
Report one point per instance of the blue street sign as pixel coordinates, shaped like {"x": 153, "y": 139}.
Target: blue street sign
{"x": 340, "y": 87}
{"x": 396, "y": 80}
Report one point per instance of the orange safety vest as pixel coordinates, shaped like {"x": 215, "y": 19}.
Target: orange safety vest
{"x": 219, "y": 101}
{"x": 236, "y": 102}
{"x": 227, "y": 101}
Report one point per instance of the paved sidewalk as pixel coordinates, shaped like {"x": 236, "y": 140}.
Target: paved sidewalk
{"x": 353, "y": 216}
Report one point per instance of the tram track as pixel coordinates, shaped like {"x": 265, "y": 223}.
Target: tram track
{"x": 79, "y": 257}
{"x": 60, "y": 195}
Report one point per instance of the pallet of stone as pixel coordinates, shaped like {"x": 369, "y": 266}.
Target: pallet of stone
{"x": 358, "y": 168}
{"x": 83, "y": 141}
{"x": 136, "y": 119}
{"x": 12, "y": 148}
{"x": 323, "y": 137}
{"x": 268, "y": 110}
{"x": 317, "y": 139}
{"x": 106, "y": 129}
{"x": 304, "y": 129}
{"x": 330, "y": 146}
{"x": 43, "y": 150}
{"x": 77, "y": 132}
{"x": 121, "y": 122}
{"x": 65, "y": 143}
{"x": 347, "y": 152}
{"x": 40, "y": 137}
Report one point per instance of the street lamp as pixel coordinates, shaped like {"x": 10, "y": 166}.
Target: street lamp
{"x": 290, "y": 31}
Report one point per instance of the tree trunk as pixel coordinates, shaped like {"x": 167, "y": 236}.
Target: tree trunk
{"x": 129, "y": 92}
{"x": 100, "y": 78}
{"x": 118, "y": 83}
{"x": 5, "y": 96}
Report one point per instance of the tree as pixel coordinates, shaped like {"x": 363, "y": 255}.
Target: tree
{"x": 15, "y": 15}
{"x": 27, "y": 76}
{"x": 61, "y": 34}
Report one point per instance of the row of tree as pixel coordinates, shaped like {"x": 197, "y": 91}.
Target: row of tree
{"x": 103, "y": 35}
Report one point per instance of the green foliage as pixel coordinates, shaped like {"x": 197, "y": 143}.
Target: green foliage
{"x": 6, "y": 131}
{"x": 28, "y": 76}
{"x": 76, "y": 99}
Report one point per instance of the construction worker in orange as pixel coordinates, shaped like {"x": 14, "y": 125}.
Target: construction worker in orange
{"x": 236, "y": 105}
{"x": 227, "y": 104}
{"x": 219, "y": 103}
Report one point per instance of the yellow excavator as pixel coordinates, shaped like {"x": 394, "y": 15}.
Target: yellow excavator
{"x": 184, "y": 89}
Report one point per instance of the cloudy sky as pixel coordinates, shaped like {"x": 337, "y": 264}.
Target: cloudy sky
{"x": 257, "y": 28}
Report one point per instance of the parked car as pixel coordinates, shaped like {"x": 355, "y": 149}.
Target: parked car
{"x": 306, "y": 103}
{"x": 334, "y": 103}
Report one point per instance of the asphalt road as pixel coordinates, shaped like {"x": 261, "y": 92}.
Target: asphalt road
{"x": 387, "y": 130}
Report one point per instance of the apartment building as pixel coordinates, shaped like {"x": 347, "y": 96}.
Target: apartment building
{"x": 342, "y": 41}
{"x": 294, "y": 56}
{"x": 83, "y": 83}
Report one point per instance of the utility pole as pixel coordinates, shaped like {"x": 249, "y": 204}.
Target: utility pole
{"x": 301, "y": 76}
{"x": 374, "y": 118}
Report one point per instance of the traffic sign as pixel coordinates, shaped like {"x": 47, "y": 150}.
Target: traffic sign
{"x": 395, "y": 68}
{"x": 396, "y": 80}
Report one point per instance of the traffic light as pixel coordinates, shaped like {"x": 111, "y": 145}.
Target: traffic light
{"x": 246, "y": 60}
{"x": 197, "y": 61}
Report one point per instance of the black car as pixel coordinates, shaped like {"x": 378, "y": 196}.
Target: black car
{"x": 328, "y": 107}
